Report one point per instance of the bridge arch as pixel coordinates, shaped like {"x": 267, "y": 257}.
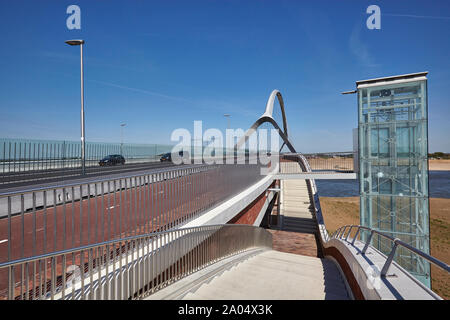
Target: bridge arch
{"x": 267, "y": 116}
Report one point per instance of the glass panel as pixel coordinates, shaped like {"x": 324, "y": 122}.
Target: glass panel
{"x": 393, "y": 167}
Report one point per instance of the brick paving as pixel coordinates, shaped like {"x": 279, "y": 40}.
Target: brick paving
{"x": 294, "y": 242}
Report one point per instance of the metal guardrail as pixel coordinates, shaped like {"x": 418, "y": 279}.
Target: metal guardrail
{"x": 22, "y": 155}
{"x": 340, "y": 234}
{"x": 33, "y": 160}
{"x": 24, "y": 160}
{"x": 326, "y": 162}
{"x": 131, "y": 267}
{"x": 48, "y": 219}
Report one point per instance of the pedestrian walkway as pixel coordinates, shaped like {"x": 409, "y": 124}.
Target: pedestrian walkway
{"x": 295, "y": 208}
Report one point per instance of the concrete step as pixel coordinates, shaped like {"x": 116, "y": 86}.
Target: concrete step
{"x": 299, "y": 225}
{"x": 296, "y": 228}
{"x": 296, "y": 201}
{"x": 276, "y": 275}
{"x": 294, "y": 207}
{"x": 295, "y": 190}
{"x": 291, "y": 187}
{"x": 305, "y": 215}
{"x": 305, "y": 223}
{"x": 297, "y": 214}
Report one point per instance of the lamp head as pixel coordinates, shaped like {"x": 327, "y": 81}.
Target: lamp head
{"x": 75, "y": 42}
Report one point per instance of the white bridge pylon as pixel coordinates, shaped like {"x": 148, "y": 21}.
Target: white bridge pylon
{"x": 267, "y": 116}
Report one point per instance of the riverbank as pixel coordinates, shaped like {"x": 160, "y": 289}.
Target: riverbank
{"x": 340, "y": 163}
{"x": 439, "y": 165}
{"x": 339, "y": 211}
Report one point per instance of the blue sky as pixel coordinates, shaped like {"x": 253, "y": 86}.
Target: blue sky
{"x": 160, "y": 65}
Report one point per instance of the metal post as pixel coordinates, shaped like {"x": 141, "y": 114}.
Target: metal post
{"x": 83, "y": 141}
{"x": 388, "y": 262}
{"x": 368, "y": 242}
{"x": 121, "y": 137}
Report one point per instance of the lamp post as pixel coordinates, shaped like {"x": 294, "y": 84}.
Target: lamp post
{"x": 121, "y": 137}
{"x": 226, "y": 115}
{"x": 83, "y": 140}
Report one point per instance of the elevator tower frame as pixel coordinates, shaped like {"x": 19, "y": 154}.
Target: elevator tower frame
{"x": 393, "y": 165}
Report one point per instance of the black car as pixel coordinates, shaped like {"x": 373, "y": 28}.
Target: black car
{"x": 112, "y": 160}
{"x": 168, "y": 156}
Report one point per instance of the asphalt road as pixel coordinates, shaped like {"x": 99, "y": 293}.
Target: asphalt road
{"x": 27, "y": 178}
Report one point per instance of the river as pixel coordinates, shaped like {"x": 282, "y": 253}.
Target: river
{"x": 439, "y": 182}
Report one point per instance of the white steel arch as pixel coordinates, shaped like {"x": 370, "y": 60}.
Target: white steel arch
{"x": 267, "y": 116}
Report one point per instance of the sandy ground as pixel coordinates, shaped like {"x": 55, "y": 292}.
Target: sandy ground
{"x": 439, "y": 165}
{"x": 347, "y": 164}
{"x": 341, "y": 211}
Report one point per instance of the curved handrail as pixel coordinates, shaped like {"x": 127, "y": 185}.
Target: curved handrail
{"x": 340, "y": 232}
{"x": 111, "y": 242}
{"x": 149, "y": 261}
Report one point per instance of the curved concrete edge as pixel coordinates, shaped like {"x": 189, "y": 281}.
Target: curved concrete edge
{"x": 363, "y": 274}
{"x": 344, "y": 277}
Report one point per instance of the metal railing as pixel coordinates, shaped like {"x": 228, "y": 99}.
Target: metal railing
{"x": 343, "y": 233}
{"x": 326, "y": 162}
{"x": 127, "y": 268}
{"x": 34, "y": 160}
{"x": 34, "y": 155}
{"x": 24, "y": 160}
{"x": 340, "y": 234}
{"x": 48, "y": 219}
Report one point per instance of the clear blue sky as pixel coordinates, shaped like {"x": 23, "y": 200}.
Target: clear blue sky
{"x": 160, "y": 65}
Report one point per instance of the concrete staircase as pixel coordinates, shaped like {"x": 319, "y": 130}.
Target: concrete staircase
{"x": 269, "y": 275}
{"x": 295, "y": 208}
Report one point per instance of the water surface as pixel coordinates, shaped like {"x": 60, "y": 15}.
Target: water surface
{"x": 439, "y": 182}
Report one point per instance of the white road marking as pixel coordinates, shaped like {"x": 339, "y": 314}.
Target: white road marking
{"x": 4, "y": 240}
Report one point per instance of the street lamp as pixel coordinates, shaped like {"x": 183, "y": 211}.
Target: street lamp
{"x": 83, "y": 141}
{"x": 228, "y": 119}
{"x": 121, "y": 137}
{"x": 226, "y": 115}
